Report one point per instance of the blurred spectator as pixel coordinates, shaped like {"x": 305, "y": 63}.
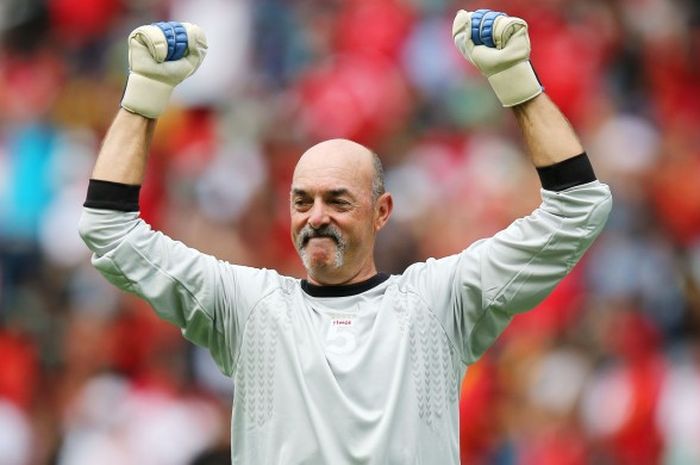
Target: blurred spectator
{"x": 113, "y": 421}
{"x": 678, "y": 416}
{"x": 16, "y": 439}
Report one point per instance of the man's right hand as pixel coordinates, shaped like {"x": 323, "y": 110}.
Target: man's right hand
{"x": 161, "y": 56}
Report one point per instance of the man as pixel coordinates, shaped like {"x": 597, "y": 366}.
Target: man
{"x": 349, "y": 366}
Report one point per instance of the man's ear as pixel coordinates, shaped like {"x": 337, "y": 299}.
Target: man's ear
{"x": 382, "y": 210}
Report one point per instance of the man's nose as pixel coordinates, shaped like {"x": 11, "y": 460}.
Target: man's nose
{"x": 318, "y": 216}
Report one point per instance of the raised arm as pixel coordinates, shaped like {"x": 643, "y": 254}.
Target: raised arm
{"x": 548, "y": 136}
{"x": 205, "y": 297}
{"x": 491, "y": 281}
{"x": 122, "y": 158}
{"x": 160, "y": 57}
{"x": 499, "y": 46}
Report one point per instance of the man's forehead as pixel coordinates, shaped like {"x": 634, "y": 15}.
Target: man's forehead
{"x": 330, "y": 192}
{"x": 334, "y": 164}
{"x": 324, "y": 177}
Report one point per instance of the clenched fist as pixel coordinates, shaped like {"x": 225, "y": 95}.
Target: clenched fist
{"x": 161, "y": 56}
{"x": 498, "y": 45}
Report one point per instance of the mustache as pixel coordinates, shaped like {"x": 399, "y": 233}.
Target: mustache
{"x": 308, "y": 233}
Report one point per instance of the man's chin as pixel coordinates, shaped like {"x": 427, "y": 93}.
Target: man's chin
{"x": 315, "y": 265}
{"x": 320, "y": 261}
{"x": 319, "y": 250}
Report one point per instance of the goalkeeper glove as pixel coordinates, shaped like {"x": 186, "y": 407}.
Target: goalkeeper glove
{"x": 498, "y": 45}
{"x": 161, "y": 56}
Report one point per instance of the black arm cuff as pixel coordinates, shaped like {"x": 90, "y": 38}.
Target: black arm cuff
{"x": 107, "y": 195}
{"x": 568, "y": 173}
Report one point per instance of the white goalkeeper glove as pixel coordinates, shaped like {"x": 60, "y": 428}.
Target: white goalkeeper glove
{"x": 498, "y": 45}
{"x": 161, "y": 56}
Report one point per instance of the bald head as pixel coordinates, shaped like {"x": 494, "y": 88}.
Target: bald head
{"x": 337, "y": 206}
{"x": 344, "y": 154}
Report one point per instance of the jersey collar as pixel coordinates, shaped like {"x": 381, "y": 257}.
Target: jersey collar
{"x": 343, "y": 290}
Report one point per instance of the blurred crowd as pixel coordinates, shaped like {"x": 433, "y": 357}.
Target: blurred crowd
{"x": 605, "y": 371}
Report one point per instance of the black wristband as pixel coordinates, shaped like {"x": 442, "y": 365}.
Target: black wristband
{"x": 568, "y": 173}
{"x": 108, "y": 195}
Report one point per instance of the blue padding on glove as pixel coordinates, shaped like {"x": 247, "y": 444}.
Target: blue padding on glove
{"x": 476, "y": 25}
{"x": 176, "y": 37}
{"x": 482, "y": 26}
{"x": 487, "y": 27}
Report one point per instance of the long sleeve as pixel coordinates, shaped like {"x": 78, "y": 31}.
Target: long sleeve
{"x": 207, "y": 298}
{"x": 476, "y": 293}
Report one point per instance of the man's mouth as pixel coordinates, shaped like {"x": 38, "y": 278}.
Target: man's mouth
{"x": 308, "y": 239}
{"x": 327, "y": 232}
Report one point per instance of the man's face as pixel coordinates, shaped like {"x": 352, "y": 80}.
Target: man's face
{"x": 334, "y": 218}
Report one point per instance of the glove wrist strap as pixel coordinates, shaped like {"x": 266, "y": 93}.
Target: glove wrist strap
{"x": 516, "y": 85}
{"x": 146, "y": 96}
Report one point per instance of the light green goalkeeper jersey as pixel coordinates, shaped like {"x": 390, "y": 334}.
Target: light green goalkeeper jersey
{"x": 360, "y": 374}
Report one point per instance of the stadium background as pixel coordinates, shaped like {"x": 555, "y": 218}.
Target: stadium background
{"x": 606, "y": 371}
